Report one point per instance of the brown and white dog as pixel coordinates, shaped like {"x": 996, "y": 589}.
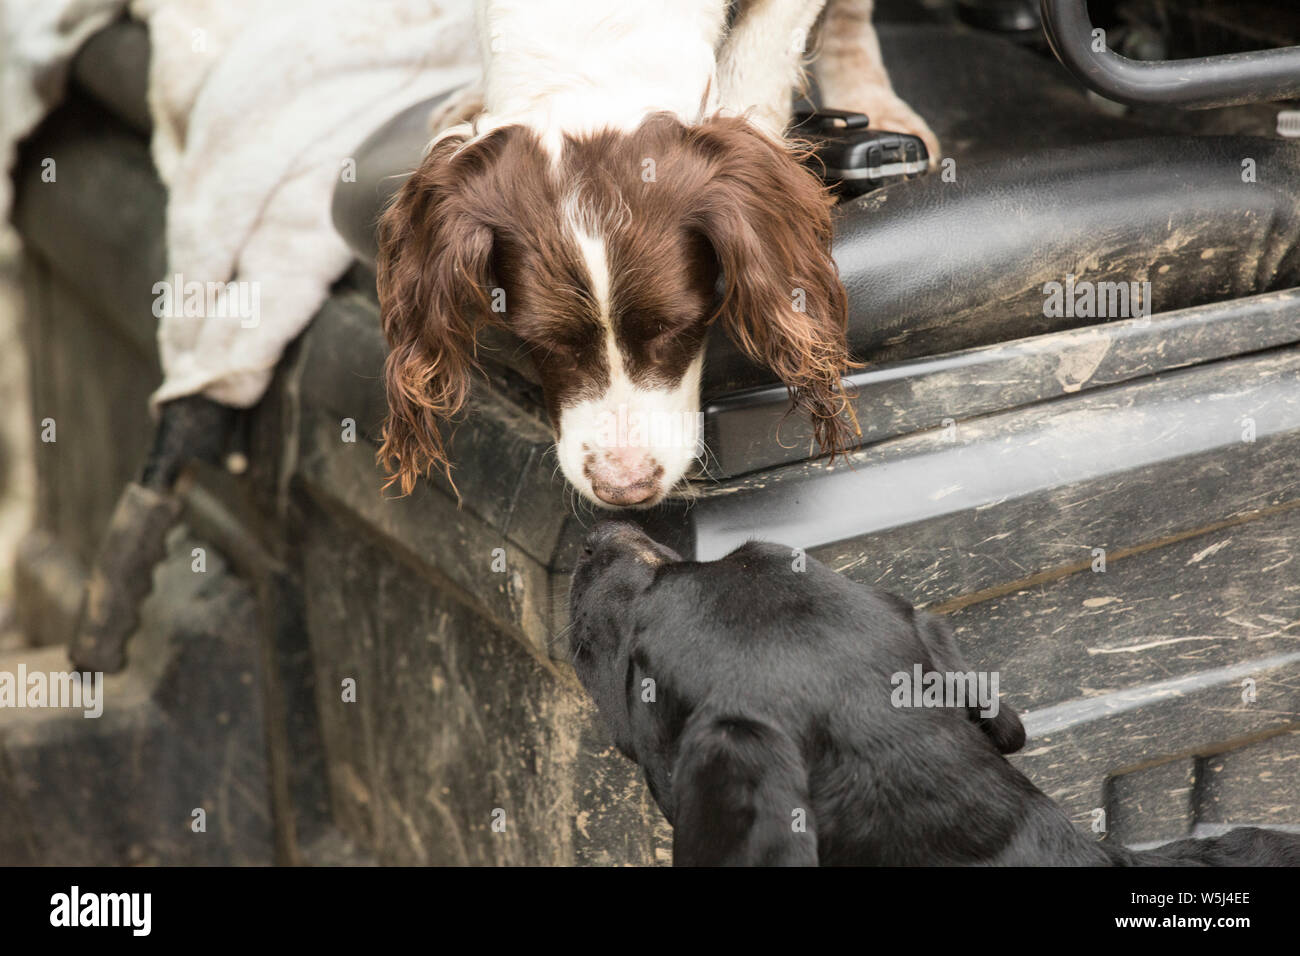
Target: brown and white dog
{"x": 621, "y": 157}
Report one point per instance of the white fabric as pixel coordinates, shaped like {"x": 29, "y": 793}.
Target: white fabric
{"x": 257, "y": 106}
{"x": 37, "y": 40}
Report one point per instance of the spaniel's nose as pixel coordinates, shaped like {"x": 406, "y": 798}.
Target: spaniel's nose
{"x": 623, "y": 496}
{"x": 625, "y": 477}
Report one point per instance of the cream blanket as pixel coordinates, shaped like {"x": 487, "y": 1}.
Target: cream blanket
{"x": 257, "y": 105}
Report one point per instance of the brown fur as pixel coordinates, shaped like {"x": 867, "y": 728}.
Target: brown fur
{"x": 491, "y": 214}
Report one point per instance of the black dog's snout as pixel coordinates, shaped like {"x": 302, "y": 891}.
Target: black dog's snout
{"x": 613, "y": 532}
{"x": 623, "y": 537}
{"x": 589, "y": 545}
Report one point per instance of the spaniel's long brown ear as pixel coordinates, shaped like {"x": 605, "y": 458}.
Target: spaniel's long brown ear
{"x": 768, "y": 220}
{"x": 433, "y": 277}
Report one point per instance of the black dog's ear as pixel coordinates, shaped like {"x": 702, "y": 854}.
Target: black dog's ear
{"x": 740, "y": 796}
{"x": 1004, "y": 728}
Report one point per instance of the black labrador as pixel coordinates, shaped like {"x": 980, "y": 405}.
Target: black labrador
{"x": 760, "y": 694}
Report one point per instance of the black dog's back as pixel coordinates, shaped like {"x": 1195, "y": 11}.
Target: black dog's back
{"x": 1245, "y": 846}
{"x": 776, "y": 731}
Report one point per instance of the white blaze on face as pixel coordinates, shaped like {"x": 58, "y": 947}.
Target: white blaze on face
{"x": 631, "y": 445}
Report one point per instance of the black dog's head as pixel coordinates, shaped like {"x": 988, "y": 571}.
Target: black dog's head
{"x": 755, "y": 691}
{"x": 618, "y": 567}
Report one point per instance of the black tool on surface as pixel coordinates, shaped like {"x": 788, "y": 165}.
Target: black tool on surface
{"x": 189, "y": 429}
{"x": 852, "y": 157}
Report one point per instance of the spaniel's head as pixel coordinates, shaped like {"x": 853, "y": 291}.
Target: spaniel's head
{"x": 603, "y": 254}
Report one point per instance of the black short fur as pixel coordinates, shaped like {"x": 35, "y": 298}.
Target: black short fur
{"x": 756, "y": 697}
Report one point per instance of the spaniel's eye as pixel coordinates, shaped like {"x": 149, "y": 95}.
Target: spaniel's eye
{"x": 563, "y": 338}
{"x": 654, "y": 328}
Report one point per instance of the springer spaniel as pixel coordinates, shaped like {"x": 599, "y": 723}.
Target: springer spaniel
{"x": 764, "y": 705}
{"x": 623, "y": 156}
